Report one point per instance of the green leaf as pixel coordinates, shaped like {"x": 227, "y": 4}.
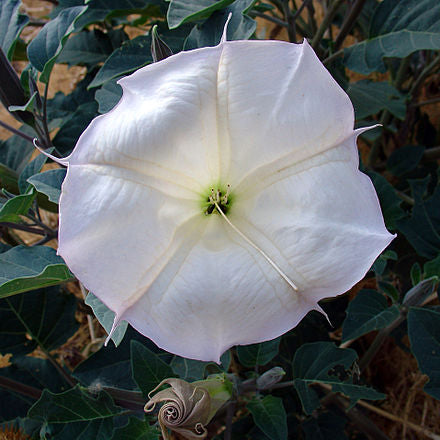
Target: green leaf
{"x": 49, "y": 183}
{"x": 47, "y": 45}
{"x": 424, "y": 336}
{"x": 182, "y": 11}
{"x": 270, "y": 416}
{"x": 323, "y": 362}
{"x": 405, "y": 159}
{"x": 136, "y": 429}
{"x": 422, "y": 229}
{"x": 31, "y": 371}
{"x": 11, "y": 25}
{"x": 16, "y": 151}
{"x": 100, "y": 10}
{"x": 74, "y": 405}
{"x": 416, "y": 273}
{"x": 132, "y": 55}
{"x": 111, "y": 366}
{"x": 432, "y": 268}
{"x": 30, "y": 169}
{"x": 397, "y": 29}
{"x": 29, "y": 106}
{"x": 258, "y": 354}
{"x": 389, "y": 201}
{"x": 73, "y": 127}
{"x": 326, "y": 426}
{"x": 370, "y": 97}
{"x": 106, "y": 317}
{"x": 98, "y": 429}
{"x": 189, "y": 369}
{"x": 44, "y": 318}
{"x": 368, "y": 311}
{"x": 25, "y": 268}
{"x": 108, "y": 95}
{"x": 91, "y": 47}
{"x": 15, "y": 207}
{"x": 240, "y": 27}
{"x": 148, "y": 369}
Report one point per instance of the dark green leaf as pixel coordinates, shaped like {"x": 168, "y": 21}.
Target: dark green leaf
{"x": 270, "y": 416}
{"x": 46, "y": 46}
{"x": 422, "y": 229}
{"x": 91, "y": 47}
{"x": 26, "y": 268}
{"x": 370, "y": 97}
{"x": 98, "y": 429}
{"x": 108, "y": 95}
{"x": 106, "y": 317}
{"x": 136, "y": 429}
{"x": 111, "y": 366}
{"x": 416, "y": 273}
{"x": 148, "y": 369}
{"x": 405, "y": 159}
{"x": 15, "y": 207}
{"x": 240, "y": 27}
{"x": 424, "y": 336}
{"x": 397, "y": 29}
{"x": 323, "y": 362}
{"x": 16, "y": 151}
{"x": 132, "y": 55}
{"x": 31, "y": 371}
{"x": 325, "y": 427}
{"x": 182, "y": 11}
{"x": 30, "y": 169}
{"x": 381, "y": 262}
{"x": 100, "y": 10}
{"x": 368, "y": 311}
{"x": 44, "y": 318}
{"x": 11, "y": 25}
{"x": 389, "y": 201}
{"x": 189, "y": 369}
{"x": 258, "y": 354}
{"x": 73, "y": 127}
{"x": 389, "y": 290}
{"x": 75, "y": 405}
{"x": 49, "y": 183}
{"x": 432, "y": 268}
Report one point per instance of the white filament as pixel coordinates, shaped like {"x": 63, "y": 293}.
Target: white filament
{"x": 269, "y": 260}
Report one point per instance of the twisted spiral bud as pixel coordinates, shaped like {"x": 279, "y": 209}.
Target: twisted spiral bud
{"x": 186, "y": 409}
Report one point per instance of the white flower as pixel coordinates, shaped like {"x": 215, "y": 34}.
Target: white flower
{"x": 146, "y": 223}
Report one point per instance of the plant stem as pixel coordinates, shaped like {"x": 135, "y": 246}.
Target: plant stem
{"x": 333, "y": 56}
{"x": 331, "y": 12}
{"x": 18, "y": 387}
{"x": 432, "y": 153}
{"x": 427, "y": 102}
{"x": 24, "y": 228}
{"x": 270, "y": 18}
{"x": 17, "y": 132}
{"x": 288, "y": 16}
{"x": 349, "y": 22}
{"x": 67, "y": 377}
{"x": 423, "y": 75}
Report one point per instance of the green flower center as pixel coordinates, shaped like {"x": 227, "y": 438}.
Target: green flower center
{"x": 218, "y": 197}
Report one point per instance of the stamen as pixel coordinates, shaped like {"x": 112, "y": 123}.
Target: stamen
{"x": 269, "y": 260}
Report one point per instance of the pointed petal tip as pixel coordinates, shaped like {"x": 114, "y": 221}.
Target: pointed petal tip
{"x": 61, "y": 161}
{"x": 225, "y": 29}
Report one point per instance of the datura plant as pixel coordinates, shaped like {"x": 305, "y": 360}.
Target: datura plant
{"x": 221, "y": 198}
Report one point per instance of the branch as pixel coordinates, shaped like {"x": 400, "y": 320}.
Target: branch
{"x": 349, "y": 22}
{"x": 325, "y": 23}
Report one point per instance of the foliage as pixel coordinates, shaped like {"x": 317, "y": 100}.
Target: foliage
{"x": 101, "y": 395}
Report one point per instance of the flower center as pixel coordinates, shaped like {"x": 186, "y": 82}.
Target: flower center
{"x": 218, "y": 198}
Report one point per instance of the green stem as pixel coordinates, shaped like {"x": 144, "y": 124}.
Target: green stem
{"x": 349, "y": 22}
{"x": 275, "y": 20}
{"x": 331, "y": 12}
{"x": 423, "y": 75}
{"x": 18, "y": 387}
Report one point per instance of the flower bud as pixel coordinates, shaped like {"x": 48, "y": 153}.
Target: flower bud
{"x": 189, "y": 407}
{"x": 159, "y": 49}
{"x": 270, "y": 378}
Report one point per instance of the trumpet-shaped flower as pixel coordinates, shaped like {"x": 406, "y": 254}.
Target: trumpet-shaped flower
{"x": 221, "y": 199}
